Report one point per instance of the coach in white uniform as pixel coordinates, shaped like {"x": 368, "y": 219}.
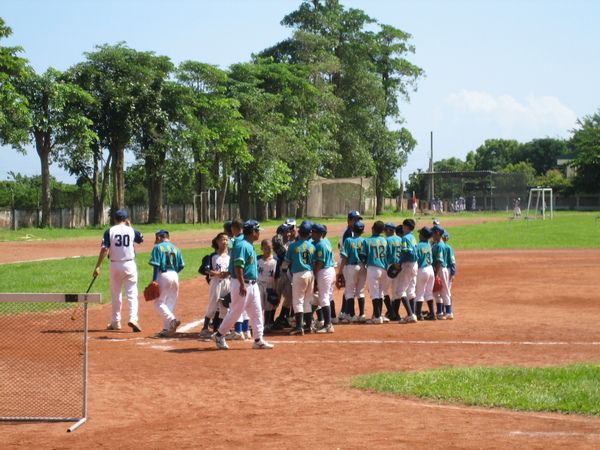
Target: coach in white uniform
{"x": 118, "y": 244}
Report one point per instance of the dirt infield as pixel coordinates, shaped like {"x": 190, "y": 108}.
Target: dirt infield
{"x": 526, "y": 308}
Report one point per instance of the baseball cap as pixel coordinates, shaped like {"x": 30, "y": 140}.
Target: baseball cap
{"x": 291, "y": 223}
{"x": 436, "y": 222}
{"x": 438, "y": 229}
{"x": 389, "y": 226}
{"x": 359, "y": 226}
{"x": 446, "y": 235}
{"x": 252, "y": 225}
{"x": 283, "y": 228}
{"x": 227, "y": 226}
{"x": 121, "y": 215}
{"x": 354, "y": 215}
{"x": 426, "y": 231}
{"x": 162, "y": 233}
{"x": 305, "y": 226}
{"x": 318, "y": 228}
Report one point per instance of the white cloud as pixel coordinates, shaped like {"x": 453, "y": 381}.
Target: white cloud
{"x": 537, "y": 117}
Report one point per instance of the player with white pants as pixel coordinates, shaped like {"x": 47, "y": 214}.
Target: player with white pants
{"x": 118, "y": 242}
{"x": 355, "y": 275}
{"x": 374, "y": 251}
{"x": 440, "y": 268}
{"x": 167, "y": 262}
{"x": 324, "y": 274}
{"x": 425, "y": 276}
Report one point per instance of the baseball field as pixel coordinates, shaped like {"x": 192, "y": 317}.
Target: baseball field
{"x": 513, "y": 306}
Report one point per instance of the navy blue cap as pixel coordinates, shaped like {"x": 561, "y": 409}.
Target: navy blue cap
{"x": 318, "y": 228}
{"x": 438, "y": 229}
{"x": 354, "y": 215}
{"x": 426, "y": 231}
{"x": 162, "y": 233}
{"x": 446, "y": 235}
{"x": 291, "y": 223}
{"x": 305, "y": 227}
{"x": 283, "y": 228}
{"x": 359, "y": 226}
{"x": 121, "y": 215}
{"x": 389, "y": 226}
{"x": 252, "y": 225}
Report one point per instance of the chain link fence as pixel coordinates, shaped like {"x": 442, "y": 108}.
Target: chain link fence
{"x": 43, "y": 357}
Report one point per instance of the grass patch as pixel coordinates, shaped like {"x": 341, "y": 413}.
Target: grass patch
{"x": 571, "y": 389}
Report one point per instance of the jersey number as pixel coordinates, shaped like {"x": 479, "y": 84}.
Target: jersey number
{"x": 380, "y": 252}
{"x": 122, "y": 240}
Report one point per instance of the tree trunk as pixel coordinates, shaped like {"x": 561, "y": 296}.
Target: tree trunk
{"x": 281, "y": 212}
{"x": 118, "y": 163}
{"x": 380, "y": 196}
{"x": 244, "y": 199}
{"x": 155, "y": 188}
{"x": 43, "y": 148}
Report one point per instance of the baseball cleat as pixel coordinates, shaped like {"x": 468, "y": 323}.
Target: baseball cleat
{"x": 296, "y": 332}
{"x": 325, "y": 329}
{"x": 163, "y": 334}
{"x": 420, "y": 317}
{"x": 262, "y": 345}
{"x": 173, "y": 326}
{"x": 409, "y": 319}
{"x": 205, "y": 333}
{"x": 220, "y": 341}
{"x": 235, "y": 336}
{"x": 134, "y": 326}
{"x": 362, "y": 319}
{"x": 430, "y": 316}
{"x": 375, "y": 321}
{"x": 114, "y": 326}
{"x": 449, "y": 316}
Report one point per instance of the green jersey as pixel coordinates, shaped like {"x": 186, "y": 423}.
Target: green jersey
{"x": 243, "y": 255}
{"x": 300, "y": 255}
{"x": 423, "y": 254}
{"x": 374, "y": 251}
{"x": 324, "y": 254}
{"x": 394, "y": 249}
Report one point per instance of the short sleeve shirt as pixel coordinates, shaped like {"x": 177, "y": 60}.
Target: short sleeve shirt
{"x": 119, "y": 239}
{"x": 374, "y": 250}
{"x": 324, "y": 254}
{"x": 166, "y": 257}
{"x": 301, "y": 256}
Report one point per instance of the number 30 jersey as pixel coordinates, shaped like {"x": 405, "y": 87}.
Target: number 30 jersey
{"x": 119, "y": 239}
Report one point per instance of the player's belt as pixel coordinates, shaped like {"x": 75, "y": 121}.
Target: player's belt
{"x": 249, "y": 281}
{"x": 122, "y": 260}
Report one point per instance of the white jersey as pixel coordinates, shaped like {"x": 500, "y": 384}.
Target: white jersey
{"x": 119, "y": 239}
{"x": 266, "y": 270}
{"x": 220, "y": 263}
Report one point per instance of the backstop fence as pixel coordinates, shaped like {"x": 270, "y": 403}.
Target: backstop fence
{"x": 43, "y": 357}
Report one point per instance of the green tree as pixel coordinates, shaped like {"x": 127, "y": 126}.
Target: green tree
{"x": 57, "y": 122}
{"x": 521, "y": 167}
{"x": 494, "y": 154}
{"x": 125, "y": 83}
{"x": 14, "y": 115}
{"x": 542, "y": 154}
{"x": 586, "y": 143}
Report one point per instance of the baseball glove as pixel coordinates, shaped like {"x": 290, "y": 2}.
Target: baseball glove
{"x": 340, "y": 281}
{"x": 437, "y": 284}
{"x": 226, "y": 300}
{"x": 393, "y": 271}
{"x": 272, "y": 297}
{"x": 152, "y": 291}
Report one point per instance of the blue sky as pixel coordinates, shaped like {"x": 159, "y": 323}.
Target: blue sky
{"x": 510, "y": 69}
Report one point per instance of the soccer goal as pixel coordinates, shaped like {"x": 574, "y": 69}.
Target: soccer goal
{"x": 43, "y": 359}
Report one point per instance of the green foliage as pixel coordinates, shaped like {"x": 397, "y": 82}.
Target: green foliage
{"x": 586, "y": 143}
{"x": 572, "y": 389}
{"x": 14, "y": 115}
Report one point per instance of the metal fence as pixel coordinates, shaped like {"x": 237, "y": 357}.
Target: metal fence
{"x": 43, "y": 357}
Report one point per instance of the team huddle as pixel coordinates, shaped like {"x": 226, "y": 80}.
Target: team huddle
{"x": 296, "y": 270}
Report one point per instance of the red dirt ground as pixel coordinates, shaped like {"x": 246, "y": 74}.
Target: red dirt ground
{"x": 525, "y": 308}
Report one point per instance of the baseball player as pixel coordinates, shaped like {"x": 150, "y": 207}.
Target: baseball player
{"x": 219, "y": 284}
{"x": 408, "y": 276}
{"x": 118, "y": 243}
{"x": 167, "y": 262}
{"x": 393, "y": 249}
{"x": 245, "y": 296}
{"x": 324, "y": 274}
{"x": 440, "y": 268}
{"x": 355, "y": 274}
{"x": 282, "y": 279}
{"x": 299, "y": 260}
{"x": 425, "y": 277}
{"x": 374, "y": 251}
{"x": 267, "y": 266}
{"x": 353, "y": 217}
{"x": 451, "y": 261}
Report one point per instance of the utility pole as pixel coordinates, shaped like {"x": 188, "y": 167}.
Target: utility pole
{"x": 431, "y": 168}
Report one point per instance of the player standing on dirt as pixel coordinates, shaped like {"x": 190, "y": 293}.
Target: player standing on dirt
{"x": 373, "y": 252}
{"x": 167, "y": 262}
{"x": 118, "y": 243}
{"x": 324, "y": 274}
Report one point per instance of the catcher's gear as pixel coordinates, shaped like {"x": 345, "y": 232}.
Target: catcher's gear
{"x": 340, "y": 281}
{"x": 152, "y": 291}
{"x": 437, "y": 284}
{"x": 393, "y": 271}
{"x": 272, "y": 297}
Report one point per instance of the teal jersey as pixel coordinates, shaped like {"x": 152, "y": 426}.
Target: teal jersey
{"x": 324, "y": 254}
{"x": 394, "y": 249}
{"x": 374, "y": 251}
{"x": 301, "y": 256}
{"x": 351, "y": 250}
{"x": 166, "y": 256}
{"x": 423, "y": 254}
{"x": 409, "y": 245}
{"x": 440, "y": 253}
{"x": 244, "y": 255}
{"x": 450, "y": 260}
